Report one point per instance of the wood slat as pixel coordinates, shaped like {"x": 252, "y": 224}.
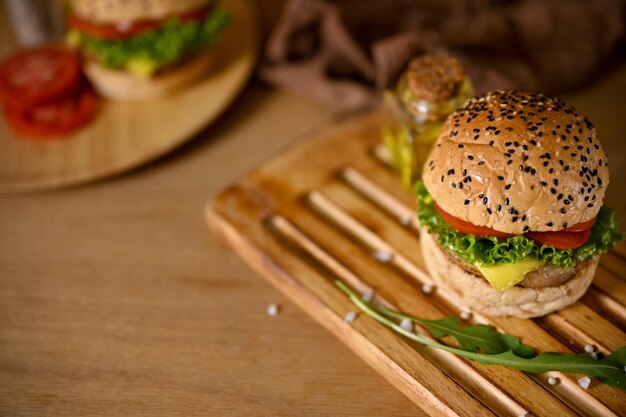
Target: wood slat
{"x": 330, "y": 207}
{"x": 384, "y": 282}
{"x": 411, "y": 264}
{"x": 615, "y": 263}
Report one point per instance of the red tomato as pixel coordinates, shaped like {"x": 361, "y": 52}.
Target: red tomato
{"x": 124, "y": 30}
{"x": 37, "y": 76}
{"x": 562, "y": 239}
{"x": 53, "y": 119}
{"x": 579, "y": 227}
{"x": 467, "y": 227}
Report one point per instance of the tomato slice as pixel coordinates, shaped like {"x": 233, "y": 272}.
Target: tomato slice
{"x": 124, "y": 30}
{"x": 53, "y": 119}
{"x": 562, "y": 239}
{"x": 39, "y": 75}
{"x": 579, "y": 227}
{"x": 467, "y": 227}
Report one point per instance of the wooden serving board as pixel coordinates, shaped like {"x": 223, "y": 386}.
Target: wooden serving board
{"x": 124, "y": 135}
{"x": 331, "y": 208}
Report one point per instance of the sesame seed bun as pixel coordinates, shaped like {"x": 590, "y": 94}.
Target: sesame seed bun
{"x": 518, "y": 162}
{"x": 478, "y": 295}
{"x": 114, "y": 11}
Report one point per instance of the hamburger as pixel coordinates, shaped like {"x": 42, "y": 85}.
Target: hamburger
{"x": 139, "y": 49}
{"x": 510, "y": 207}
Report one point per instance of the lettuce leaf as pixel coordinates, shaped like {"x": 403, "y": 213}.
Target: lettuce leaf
{"x": 489, "y": 250}
{"x": 163, "y": 46}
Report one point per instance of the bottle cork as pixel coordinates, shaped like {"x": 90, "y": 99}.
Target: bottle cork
{"x": 434, "y": 77}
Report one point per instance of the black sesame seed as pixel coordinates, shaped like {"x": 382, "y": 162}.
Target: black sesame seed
{"x": 507, "y": 201}
{"x": 500, "y": 177}
{"x": 470, "y": 157}
{"x": 514, "y": 219}
{"x": 549, "y": 224}
{"x": 563, "y": 211}
{"x": 466, "y": 202}
{"x": 481, "y": 163}
{"x": 485, "y": 200}
{"x": 507, "y": 187}
{"x": 526, "y": 228}
{"x": 460, "y": 145}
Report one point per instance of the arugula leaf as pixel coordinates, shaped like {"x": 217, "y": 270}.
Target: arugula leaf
{"x": 489, "y": 250}
{"x": 609, "y": 370}
{"x": 471, "y": 338}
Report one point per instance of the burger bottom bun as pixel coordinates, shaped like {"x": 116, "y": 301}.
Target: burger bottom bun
{"x": 124, "y": 86}
{"x": 517, "y": 301}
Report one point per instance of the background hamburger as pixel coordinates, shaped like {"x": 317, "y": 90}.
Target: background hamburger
{"x": 138, "y": 49}
{"x": 510, "y": 207}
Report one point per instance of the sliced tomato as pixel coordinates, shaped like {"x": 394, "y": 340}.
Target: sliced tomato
{"x": 124, "y": 30}
{"x": 579, "y": 227}
{"x": 39, "y": 75}
{"x": 467, "y": 227}
{"x": 53, "y": 119}
{"x": 562, "y": 239}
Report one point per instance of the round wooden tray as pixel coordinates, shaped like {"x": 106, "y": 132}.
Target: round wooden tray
{"x": 124, "y": 135}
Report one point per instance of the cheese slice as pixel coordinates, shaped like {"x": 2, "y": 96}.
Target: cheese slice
{"x": 504, "y": 276}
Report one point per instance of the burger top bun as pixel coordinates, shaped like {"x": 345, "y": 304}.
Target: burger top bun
{"x": 116, "y": 11}
{"x": 517, "y": 162}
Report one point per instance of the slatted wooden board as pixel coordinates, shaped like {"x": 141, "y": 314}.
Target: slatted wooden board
{"x": 331, "y": 208}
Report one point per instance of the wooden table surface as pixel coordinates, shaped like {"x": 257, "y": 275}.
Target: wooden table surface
{"x": 115, "y": 299}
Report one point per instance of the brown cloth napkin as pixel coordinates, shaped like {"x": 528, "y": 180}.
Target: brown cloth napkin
{"x": 345, "y": 52}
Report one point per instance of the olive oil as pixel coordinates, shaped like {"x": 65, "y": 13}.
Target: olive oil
{"x": 432, "y": 87}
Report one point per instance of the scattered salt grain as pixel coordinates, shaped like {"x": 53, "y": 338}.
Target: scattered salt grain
{"x": 584, "y": 382}
{"x": 553, "y": 381}
{"x": 589, "y": 348}
{"x": 524, "y": 414}
{"x": 594, "y": 355}
{"x": 571, "y": 342}
{"x": 272, "y": 310}
{"x": 427, "y": 288}
{"x": 368, "y": 296}
{"x": 406, "y": 325}
{"x": 350, "y": 317}
{"x": 466, "y": 315}
{"x": 382, "y": 256}
{"x": 405, "y": 221}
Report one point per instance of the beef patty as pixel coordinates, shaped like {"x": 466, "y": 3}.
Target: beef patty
{"x": 544, "y": 276}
